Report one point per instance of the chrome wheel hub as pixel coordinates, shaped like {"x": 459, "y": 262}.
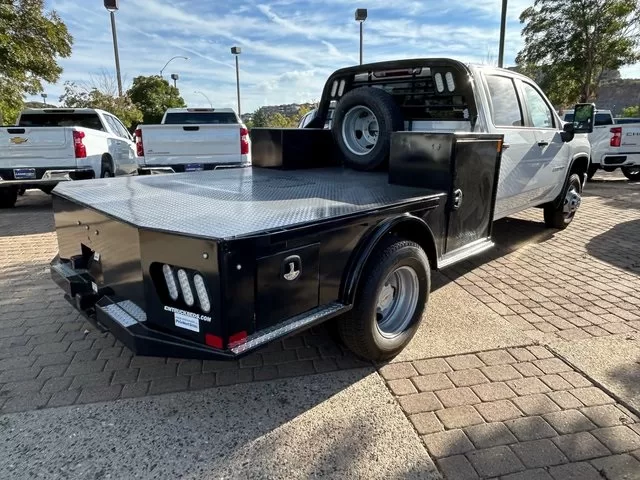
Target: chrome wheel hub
{"x": 572, "y": 202}
{"x": 360, "y": 130}
{"x": 397, "y": 301}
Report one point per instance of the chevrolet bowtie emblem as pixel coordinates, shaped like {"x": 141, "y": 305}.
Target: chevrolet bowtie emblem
{"x": 18, "y": 140}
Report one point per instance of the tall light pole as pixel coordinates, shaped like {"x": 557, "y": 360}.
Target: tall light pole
{"x": 44, "y": 98}
{"x": 503, "y": 28}
{"x": 170, "y": 60}
{"x": 202, "y": 93}
{"x": 361, "y": 16}
{"x": 236, "y": 51}
{"x": 112, "y": 6}
{"x": 175, "y": 77}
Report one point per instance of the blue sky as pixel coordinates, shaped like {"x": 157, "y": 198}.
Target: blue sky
{"x": 289, "y": 46}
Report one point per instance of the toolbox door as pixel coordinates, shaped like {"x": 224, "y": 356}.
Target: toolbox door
{"x": 476, "y": 165}
{"x": 287, "y": 284}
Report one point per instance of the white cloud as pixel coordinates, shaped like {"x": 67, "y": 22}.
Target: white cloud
{"x": 289, "y": 46}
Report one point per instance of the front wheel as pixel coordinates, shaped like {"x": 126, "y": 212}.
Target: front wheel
{"x": 390, "y": 301}
{"x": 560, "y": 214}
{"x": 632, "y": 173}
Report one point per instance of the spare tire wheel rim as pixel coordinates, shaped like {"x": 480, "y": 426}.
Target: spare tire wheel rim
{"x": 360, "y": 130}
{"x": 397, "y": 302}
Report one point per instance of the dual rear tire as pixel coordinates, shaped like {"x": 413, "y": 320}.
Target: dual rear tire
{"x": 389, "y": 302}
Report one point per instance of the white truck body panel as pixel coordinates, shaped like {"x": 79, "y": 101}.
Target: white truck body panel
{"x": 193, "y": 139}
{"x": 184, "y": 144}
{"x": 535, "y": 159}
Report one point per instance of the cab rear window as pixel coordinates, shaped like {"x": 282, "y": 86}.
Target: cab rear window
{"x": 209, "y": 118}
{"x": 601, "y": 119}
{"x": 61, "y": 119}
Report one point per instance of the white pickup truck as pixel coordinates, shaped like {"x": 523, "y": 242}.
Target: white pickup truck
{"x": 613, "y": 145}
{"x": 193, "y": 139}
{"x": 544, "y": 161}
{"x": 50, "y": 145}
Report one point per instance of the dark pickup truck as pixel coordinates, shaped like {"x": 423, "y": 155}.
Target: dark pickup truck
{"x": 217, "y": 264}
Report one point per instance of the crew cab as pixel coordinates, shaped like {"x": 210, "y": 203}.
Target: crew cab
{"x": 344, "y": 223}
{"x": 540, "y": 158}
{"x": 51, "y": 145}
{"x": 193, "y": 139}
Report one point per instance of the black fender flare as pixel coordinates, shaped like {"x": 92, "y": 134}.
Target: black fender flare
{"x": 406, "y": 226}
{"x": 570, "y": 170}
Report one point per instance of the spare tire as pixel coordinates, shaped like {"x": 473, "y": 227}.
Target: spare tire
{"x": 363, "y": 122}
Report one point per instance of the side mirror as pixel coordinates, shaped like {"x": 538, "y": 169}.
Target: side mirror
{"x": 584, "y": 116}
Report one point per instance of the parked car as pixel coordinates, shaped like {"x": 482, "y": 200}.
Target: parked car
{"x": 193, "y": 139}
{"x": 50, "y": 145}
{"x": 343, "y": 223}
{"x": 615, "y": 143}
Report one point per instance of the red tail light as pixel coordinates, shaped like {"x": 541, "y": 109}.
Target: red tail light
{"x": 237, "y": 338}
{"x": 244, "y": 141}
{"x": 139, "y": 144}
{"x": 213, "y": 340}
{"x": 616, "y": 136}
{"x": 79, "y": 148}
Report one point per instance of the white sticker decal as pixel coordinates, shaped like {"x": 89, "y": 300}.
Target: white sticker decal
{"x": 187, "y": 322}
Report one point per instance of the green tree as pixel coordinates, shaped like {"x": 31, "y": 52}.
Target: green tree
{"x": 569, "y": 45}
{"x": 30, "y": 42}
{"x": 631, "y": 111}
{"x": 101, "y": 92}
{"x": 153, "y": 95}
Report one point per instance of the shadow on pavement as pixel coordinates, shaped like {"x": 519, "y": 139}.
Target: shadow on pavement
{"x": 32, "y": 215}
{"x": 616, "y": 193}
{"x": 618, "y": 246}
{"x": 509, "y": 235}
{"x": 330, "y": 426}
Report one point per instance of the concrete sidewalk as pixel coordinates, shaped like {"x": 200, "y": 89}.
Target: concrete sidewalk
{"x": 340, "y": 425}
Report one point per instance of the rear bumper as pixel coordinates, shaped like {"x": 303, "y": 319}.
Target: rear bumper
{"x": 128, "y": 322}
{"x": 621, "y": 159}
{"x": 46, "y": 176}
{"x": 181, "y": 168}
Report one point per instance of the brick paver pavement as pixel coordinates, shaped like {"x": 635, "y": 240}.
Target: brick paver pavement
{"x": 50, "y": 356}
{"x": 522, "y": 425}
{"x": 580, "y": 283}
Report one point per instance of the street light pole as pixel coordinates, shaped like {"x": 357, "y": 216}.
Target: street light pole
{"x": 503, "y": 28}
{"x": 202, "y": 93}
{"x": 236, "y": 51}
{"x": 112, "y": 6}
{"x": 170, "y": 60}
{"x": 361, "y": 16}
{"x": 44, "y": 98}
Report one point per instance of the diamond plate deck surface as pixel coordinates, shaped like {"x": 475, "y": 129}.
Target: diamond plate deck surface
{"x": 238, "y": 202}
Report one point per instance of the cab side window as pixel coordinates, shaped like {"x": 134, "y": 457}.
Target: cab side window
{"x": 506, "y": 111}
{"x": 541, "y": 116}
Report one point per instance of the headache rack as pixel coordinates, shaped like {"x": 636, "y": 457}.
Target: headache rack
{"x": 437, "y": 91}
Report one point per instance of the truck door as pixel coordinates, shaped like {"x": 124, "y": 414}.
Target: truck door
{"x": 129, "y": 160}
{"x": 520, "y": 155}
{"x": 553, "y": 153}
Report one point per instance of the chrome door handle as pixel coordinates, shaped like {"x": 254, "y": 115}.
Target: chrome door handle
{"x": 505, "y": 146}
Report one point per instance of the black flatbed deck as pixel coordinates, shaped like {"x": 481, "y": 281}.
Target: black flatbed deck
{"x": 234, "y": 203}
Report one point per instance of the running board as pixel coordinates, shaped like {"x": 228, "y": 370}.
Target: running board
{"x": 474, "y": 248}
